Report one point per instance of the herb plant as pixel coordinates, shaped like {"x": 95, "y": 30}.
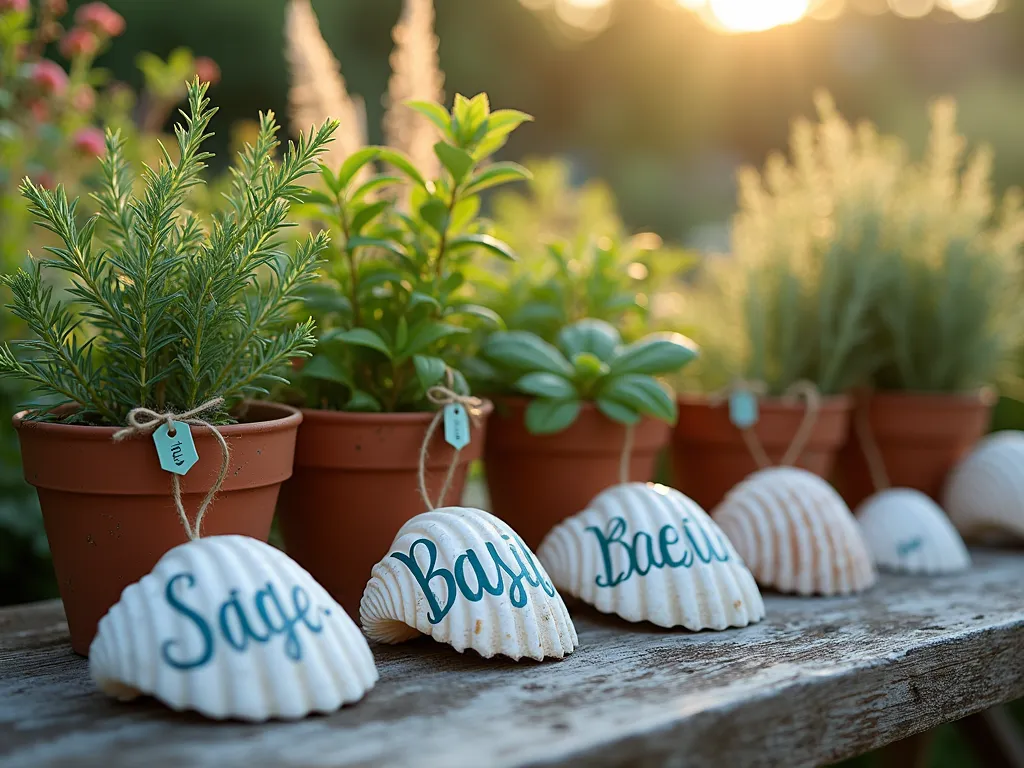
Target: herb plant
{"x": 393, "y": 316}
{"x": 164, "y": 310}
{"x": 589, "y": 363}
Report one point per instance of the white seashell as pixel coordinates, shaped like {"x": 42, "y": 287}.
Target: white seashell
{"x": 648, "y": 553}
{"x": 907, "y": 532}
{"x": 984, "y": 493}
{"x": 232, "y": 628}
{"x": 465, "y": 578}
{"x": 796, "y": 534}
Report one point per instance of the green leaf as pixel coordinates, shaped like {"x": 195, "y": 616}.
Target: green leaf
{"x": 324, "y": 368}
{"x": 318, "y": 198}
{"x": 330, "y": 179}
{"x": 429, "y": 370}
{"x": 484, "y": 313}
{"x": 377, "y": 182}
{"x": 492, "y": 244}
{"x": 435, "y": 113}
{"x": 595, "y": 336}
{"x": 617, "y": 411}
{"x": 325, "y": 298}
{"x": 521, "y": 350}
{"x": 353, "y": 163}
{"x": 402, "y": 163}
{"x": 424, "y": 334}
{"x": 457, "y": 161}
{"x": 418, "y": 297}
{"x": 549, "y": 385}
{"x": 496, "y": 174}
{"x": 401, "y": 334}
{"x": 657, "y": 353}
{"x": 589, "y": 367}
{"x": 375, "y": 242}
{"x": 503, "y": 121}
{"x": 545, "y": 417}
{"x": 641, "y": 393}
{"x": 367, "y": 214}
{"x": 363, "y": 402}
{"x": 435, "y": 213}
{"x": 360, "y": 337}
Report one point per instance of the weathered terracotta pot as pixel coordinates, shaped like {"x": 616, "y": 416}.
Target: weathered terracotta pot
{"x": 356, "y": 483}
{"x": 710, "y": 456}
{"x": 536, "y": 481}
{"x": 920, "y": 437}
{"x": 108, "y": 509}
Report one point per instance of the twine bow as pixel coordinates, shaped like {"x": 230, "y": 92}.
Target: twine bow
{"x": 442, "y": 396}
{"x": 143, "y": 421}
{"x": 799, "y": 389}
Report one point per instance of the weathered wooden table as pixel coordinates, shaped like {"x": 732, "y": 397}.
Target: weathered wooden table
{"x": 818, "y": 680}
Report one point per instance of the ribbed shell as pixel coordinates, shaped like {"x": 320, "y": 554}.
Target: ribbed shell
{"x": 701, "y": 595}
{"x": 395, "y": 608}
{"x": 907, "y": 532}
{"x": 127, "y": 657}
{"x": 985, "y": 493}
{"x": 796, "y": 534}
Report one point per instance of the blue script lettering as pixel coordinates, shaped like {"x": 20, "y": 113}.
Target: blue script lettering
{"x": 238, "y": 626}
{"x": 456, "y": 582}
{"x": 643, "y": 554}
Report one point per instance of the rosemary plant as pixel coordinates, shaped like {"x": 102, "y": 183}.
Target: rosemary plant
{"x": 395, "y": 321}
{"x": 164, "y": 310}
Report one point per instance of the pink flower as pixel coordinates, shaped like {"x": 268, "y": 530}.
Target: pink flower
{"x": 18, "y": 6}
{"x": 40, "y": 110}
{"x": 89, "y": 141}
{"x": 101, "y": 19}
{"x": 50, "y": 77}
{"x": 56, "y": 7}
{"x": 207, "y": 70}
{"x": 44, "y": 179}
{"x": 83, "y": 99}
{"x": 79, "y": 42}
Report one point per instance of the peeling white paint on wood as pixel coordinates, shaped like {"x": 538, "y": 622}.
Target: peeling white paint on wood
{"x": 818, "y": 680}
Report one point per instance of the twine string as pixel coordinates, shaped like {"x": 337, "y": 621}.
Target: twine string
{"x": 442, "y": 396}
{"x": 144, "y": 421}
{"x": 625, "y": 458}
{"x": 869, "y": 447}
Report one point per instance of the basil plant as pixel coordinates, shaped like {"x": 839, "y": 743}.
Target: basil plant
{"x": 394, "y": 315}
{"x": 587, "y": 363}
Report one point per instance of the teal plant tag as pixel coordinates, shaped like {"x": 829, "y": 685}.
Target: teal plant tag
{"x": 175, "y": 447}
{"x": 456, "y": 425}
{"x": 743, "y": 408}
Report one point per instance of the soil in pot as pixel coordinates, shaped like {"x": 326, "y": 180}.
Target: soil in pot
{"x": 108, "y": 510}
{"x": 710, "y": 454}
{"x": 919, "y": 437}
{"x": 536, "y": 481}
{"x": 356, "y": 482}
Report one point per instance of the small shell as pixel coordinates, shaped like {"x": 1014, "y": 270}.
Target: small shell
{"x": 984, "y": 494}
{"x": 796, "y": 534}
{"x": 649, "y": 553}
{"x": 465, "y": 578}
{"x": 907, "y": 532}
{"x": 232, "y": 628}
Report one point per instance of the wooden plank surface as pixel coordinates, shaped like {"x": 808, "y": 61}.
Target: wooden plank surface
{"x": 818, "y": 680}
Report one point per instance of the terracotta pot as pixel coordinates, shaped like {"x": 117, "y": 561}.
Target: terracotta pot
{"x": 920, "y": 437}
{"x": 108, "y": 510}
{"x": 710, "y": 456}
{"x": 355, "y": 484}
{"x": 536, "y": 481}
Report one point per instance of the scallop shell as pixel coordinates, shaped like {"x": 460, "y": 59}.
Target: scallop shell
{"x": 907, "y": 532}
{"x": 648, "y": 553}
{"x": 232, "y": 628}
{"x": 465, "y": 578}
{"x": 984, "y": 494}
{"x": 796, "y": 534}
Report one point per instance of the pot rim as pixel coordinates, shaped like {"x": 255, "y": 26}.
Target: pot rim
{"x": 984, "y": 395}
{"x": 841, "y": 401}
{"x": 359, "y": 417}
{"x": 291, "y": 418}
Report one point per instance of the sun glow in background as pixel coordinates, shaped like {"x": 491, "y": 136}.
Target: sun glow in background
{"x": 738, "y": 16}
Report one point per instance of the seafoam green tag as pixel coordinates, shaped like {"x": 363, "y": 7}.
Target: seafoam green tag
{"x": 743, "y": 408}
{"x": 175, "y": 447}
{"x": 456, "y": 425}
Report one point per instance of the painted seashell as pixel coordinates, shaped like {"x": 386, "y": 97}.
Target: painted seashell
{"x": 907, "y": 532}
{"x": 465, "y": 578}
{"x": 232, "y": 628}
{"x": 796, "y": 534}
{"x": 984, "y": 494}
{"x": 648, "y": 553}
